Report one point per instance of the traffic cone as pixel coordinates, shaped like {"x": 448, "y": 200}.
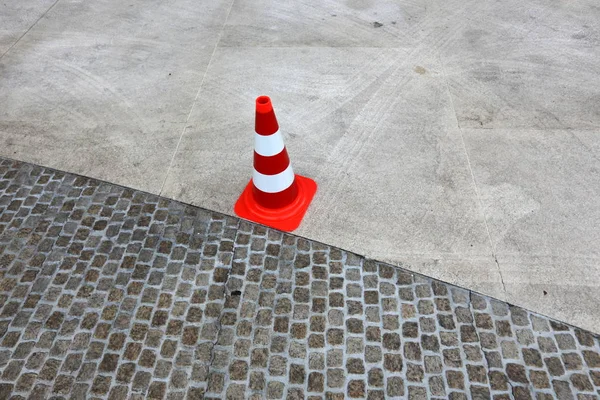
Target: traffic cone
{"x": 275, "y": 196}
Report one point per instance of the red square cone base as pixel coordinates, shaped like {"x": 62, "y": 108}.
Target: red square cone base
{"x": 285, "y": 218}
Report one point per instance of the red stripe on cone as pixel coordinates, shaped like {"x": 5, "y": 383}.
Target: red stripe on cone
{"x": 282, "y": 210}
{"x": 275, "y": 200}
{"x": 271, "y": 165}
{"x": 265, "y": 122}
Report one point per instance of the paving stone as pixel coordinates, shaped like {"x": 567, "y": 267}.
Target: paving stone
{"x": 433, "y": 364}
{"x": 455, "y": 379}
{"x": 410, "y": 329}
{"x": 101, "y": 385}
{"x": 592, "y": 358}
{"x": 532, "y": 357}
{"x": 554, "y": 366}
{"x": 391, "y": 341}
{"x": 562, "y": 389}
{"x": 109, "y": 363}
{"x": 516, "y": 373}
{"x": 414, "y": 372}
{"x": 520, "y": 392}
{"x": 547, "y": 345}
{"x": 335, "y": 378}
{"x": 572, "y": 361}
{"x": 436, "y": 386}
{"x": 584, "y": 338}
{"x": 581, "y": 382}
{"x": 476, "y": 373}
{"x": 395, "y": 386}
{"x": 157, "y": 390}
{"x": 275, "y": 390}
{"x": 498, "y": 380}
{"x": 315, "y": 382}
{"x": 356, "y": 388}
{"x": 412, "y": 350}
{"x": 539, "y": 379}
{"x": 525, "y": 337}
{"x": 114, "y": 293}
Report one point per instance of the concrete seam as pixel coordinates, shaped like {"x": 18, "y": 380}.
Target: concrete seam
{"x": 472, "y": 174}
{"x": 195, "y": 99}
{"x": 30, "y": 28}
{"x": 226, "y": 294}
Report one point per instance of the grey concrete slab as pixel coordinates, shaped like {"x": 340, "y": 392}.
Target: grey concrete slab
{"x": 565, "y": 288}
{"x": 7, "y": 39}
{"x": 589, "y": 139}
{"x": 112, "y": 81}
{"x": 21, "y": 15}
{"x": 17, "y": 16}
{"x": 540, "y": 192}
{"x": 526, "y": 65}
{"x": 118, "y": 152}
{"x": 307, "y": 87}
{"x": 180, "y": 23}
{"x": 344, "y": 23}
{"x": 331, "y": 23}
{"x": 374, "y": 129}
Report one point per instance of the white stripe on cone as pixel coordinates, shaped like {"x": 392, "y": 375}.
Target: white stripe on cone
{"x": 273, "y": 183}
{"x": 268, "y": 146}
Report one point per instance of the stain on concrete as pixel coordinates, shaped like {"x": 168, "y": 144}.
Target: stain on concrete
{"x": 420, "y": 70}
{"x": 377, "y": 24}
{"x": 483, "y": 117}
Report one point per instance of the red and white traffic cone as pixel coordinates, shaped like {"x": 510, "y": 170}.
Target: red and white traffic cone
{"x": 275, "y": 196}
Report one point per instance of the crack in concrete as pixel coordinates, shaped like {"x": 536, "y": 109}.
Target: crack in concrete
{"x": 478, "y": 195}
{"x": 219, "y": 325}
{"x": 500, "y": 272}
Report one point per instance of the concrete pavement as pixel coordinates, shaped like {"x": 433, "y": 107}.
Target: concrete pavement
{"x": 457, "y": 139}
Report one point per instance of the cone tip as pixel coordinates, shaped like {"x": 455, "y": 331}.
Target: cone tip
{"x": 263, "y": 104}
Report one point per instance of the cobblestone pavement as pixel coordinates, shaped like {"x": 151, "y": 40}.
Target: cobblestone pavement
{"x": 106, "y": 292}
